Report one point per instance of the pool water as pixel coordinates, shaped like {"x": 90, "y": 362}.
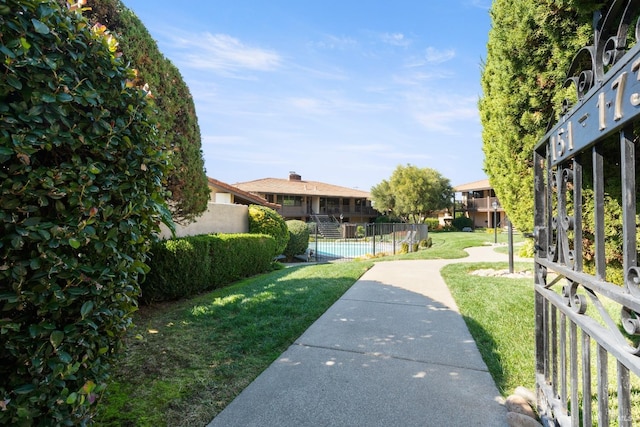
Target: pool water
{"x": 349, "y": 249}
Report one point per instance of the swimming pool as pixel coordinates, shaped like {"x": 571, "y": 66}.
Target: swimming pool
{"x": 348, "y": 249}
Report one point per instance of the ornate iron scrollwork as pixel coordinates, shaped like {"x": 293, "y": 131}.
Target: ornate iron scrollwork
{"x": 571, "y": 298}
{"x": 610, "y": 44}
{"x": 560, "y": 248}
{"x": 630, "y": 321}
{"x": 633, "y": 280}
{"x": 577, "y": 284}
{"x": 542, "y": 276}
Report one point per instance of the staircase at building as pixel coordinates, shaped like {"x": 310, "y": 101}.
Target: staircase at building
{"x": 328, "y": 227}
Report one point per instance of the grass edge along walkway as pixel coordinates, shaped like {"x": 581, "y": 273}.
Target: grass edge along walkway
{"x": 499, "y": 313}
{"x": 187, "y": 360}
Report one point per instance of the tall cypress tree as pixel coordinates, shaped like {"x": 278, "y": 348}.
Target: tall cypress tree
{"x": 530, "y": 48}
{"x": 175, "y": 110}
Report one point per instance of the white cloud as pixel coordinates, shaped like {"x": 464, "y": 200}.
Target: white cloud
{"x": 435, "y": 56}
{"x": 432, "y": 56}
{"x": 331, "y": 42}
{"x": 221, "y": 140}
{"x": 365, "y": 148}
{"x": 329, "y": 73}
{"x": 332, "y": 103}
{"x": 310, "y": 105}
{"x": 395, "y": 39}
{"x": 446, "y": 121}
{"x": 445, "y": 113}
{"x": 224, "y": 54}
{"x": 481, "y": 4}
{"x": 419, "y": 78}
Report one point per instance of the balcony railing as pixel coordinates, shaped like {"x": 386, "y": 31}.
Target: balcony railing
{"x": 485, "y": 204}
{"x": 299, "y": 211}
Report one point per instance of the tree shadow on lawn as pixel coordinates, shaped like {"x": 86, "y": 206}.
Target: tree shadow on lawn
{"x": 210, "y": 347}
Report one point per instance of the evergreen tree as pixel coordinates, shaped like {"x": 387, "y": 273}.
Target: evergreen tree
{"x": 530, "y": 48}
{"x": 175, "y": 110}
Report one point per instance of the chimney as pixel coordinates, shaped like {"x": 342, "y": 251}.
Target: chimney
{"x": 294, "y": 176}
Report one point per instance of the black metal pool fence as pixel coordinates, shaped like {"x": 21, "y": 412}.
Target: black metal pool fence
{"x": 334, "y": 240}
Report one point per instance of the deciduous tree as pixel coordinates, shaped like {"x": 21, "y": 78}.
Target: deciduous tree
{"x": 413, "y": 193}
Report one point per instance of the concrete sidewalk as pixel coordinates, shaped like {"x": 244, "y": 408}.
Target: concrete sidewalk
{"x": 393, "y": 351}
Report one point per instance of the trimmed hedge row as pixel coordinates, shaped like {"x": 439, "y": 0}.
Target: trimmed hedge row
{"x": 191, "y": 265}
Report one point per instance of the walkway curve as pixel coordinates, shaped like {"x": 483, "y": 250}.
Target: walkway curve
{"x": 392, "y": 351}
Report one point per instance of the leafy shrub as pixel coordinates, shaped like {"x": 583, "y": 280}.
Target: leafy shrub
{"x": 265, "y": 220}
{"x": 190, "y": 265}
{"x": 360, "y": 232}
{"x": 432, "y": 223}
{"x": 426, "y": 243}
{"x": 81, "y": 198}
{"x": 461, "y": 222}
{"x": 527, "y": 249}
{"x": 405, "y": 247}
{"x": 384, "y": 219}
{"x": 298, "y": 238}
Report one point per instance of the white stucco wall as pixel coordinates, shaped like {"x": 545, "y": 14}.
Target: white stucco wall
{"x": 219, "y": 218}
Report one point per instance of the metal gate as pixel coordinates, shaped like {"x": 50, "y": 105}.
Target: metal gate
{"x": 587, "y": 279}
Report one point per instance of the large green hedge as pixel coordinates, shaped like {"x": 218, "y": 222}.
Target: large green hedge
{"x": 81, "y": 197}
{"x": 191, "y": 265}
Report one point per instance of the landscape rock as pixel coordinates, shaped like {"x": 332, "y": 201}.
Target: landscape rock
{"x": 519, "y": 404}
{"x": 515, "y": 419}
{"x": 528, "y": 395}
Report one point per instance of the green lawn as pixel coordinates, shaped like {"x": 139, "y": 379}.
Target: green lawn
{"x": 499, "y": 313}
{"x": 185, "y": 361}
{"x": 450, "y": 245}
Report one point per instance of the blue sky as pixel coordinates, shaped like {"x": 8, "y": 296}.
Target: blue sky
{"x": 338, "y": 91}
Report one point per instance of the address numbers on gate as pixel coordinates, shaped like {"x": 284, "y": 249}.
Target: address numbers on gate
{"x": 602, "y": 112}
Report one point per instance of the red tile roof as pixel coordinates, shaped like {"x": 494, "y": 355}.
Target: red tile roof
{"x": 295, "y": 187}
{"x": 472, "y": 186}
{"x": 242, "y": 195}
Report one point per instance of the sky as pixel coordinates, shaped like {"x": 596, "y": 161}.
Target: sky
{"x": 338, "y": 91}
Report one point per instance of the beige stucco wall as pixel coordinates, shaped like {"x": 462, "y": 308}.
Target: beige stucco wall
{"x": 219, "y": 218}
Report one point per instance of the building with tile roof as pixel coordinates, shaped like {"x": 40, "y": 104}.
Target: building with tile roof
{"x": 477, "y": 202}
{"x": 227, "y": 212}
{"x": 300, "y": 199}
{"x": 221, "y": 192}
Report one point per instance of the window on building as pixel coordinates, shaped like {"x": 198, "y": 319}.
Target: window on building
{"x": 289, "y": 200}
